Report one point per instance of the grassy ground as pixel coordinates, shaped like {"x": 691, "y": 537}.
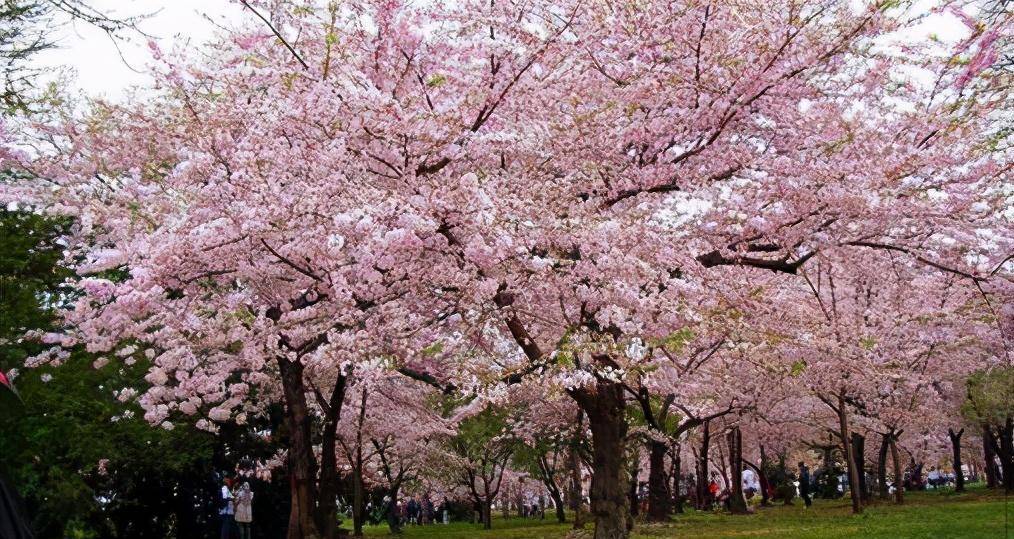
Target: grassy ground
{"x": 938, "y": 515}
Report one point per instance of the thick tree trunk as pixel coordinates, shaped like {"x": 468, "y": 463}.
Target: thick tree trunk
{"x": 859, "y": 454}
{"x": 885, "y": 445}
{"x": 635, "y": 470}
{"x": 487, "y": 514}
{"x": 959, "y": 474}
{"x": 703, "y": 495}
{"x": 843, "y": 432}
{"x": 737, "y": 503}
{"x": 561, "y": 517}
{"x": 677, "y": 478}
{"x": 327, "y": 506}
{"x": 1004, "y": 449}
{"x": 358, "y": 501}
{"x": 393, "y": 518}
{"x": 659, "y": 497}
{"x": 605, "y": 408}
{"x": 899, "y": 484}
{"x": 992, "y": 475}
{"x": 302, "y": 463}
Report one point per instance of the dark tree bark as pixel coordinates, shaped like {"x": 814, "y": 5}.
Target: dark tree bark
{"x": 635, "y": 468}
{"x": 1002, "y": 441}
{"x": 764, "y": 482}
{"x": 885, "y": 446}
{"x": 576, "y": 488}
{"x": 899, "y": 484}
{"x": 992, "y": 474}
{"x": 702, "y": 468}
{"x": 677, "y": 477}
{"x": 547, "y": 471}
{"x": 959, "y": 474}
{"x": 859, "y": 454}
{"x": 358, "y": 501}
{"x": 487, "y": 515}
{"x": 659, "y": 497}
{"x": 394, "y": 481}
{"x": 737, "y": 503}
{"x": 843, "y": 432}
{"x": 303, "y": 522}
{"x": 605, "y": 407}
{"x": 561, "y": 517}
{"x": 328, "y": 501}
{"x": 723, "y": 466}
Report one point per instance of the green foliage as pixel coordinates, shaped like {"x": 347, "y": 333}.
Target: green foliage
{"x": 31, "y": 282}
{"x": 990, "y": 396}
{"x": 70, "y": 420}
{"x": 483, "y": 429}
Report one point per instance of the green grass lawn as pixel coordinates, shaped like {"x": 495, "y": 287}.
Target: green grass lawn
{"x": 938, "y": 515}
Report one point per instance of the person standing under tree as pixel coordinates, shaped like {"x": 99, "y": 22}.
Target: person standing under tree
{"x": 244, "y": 510}
{"x": 227, "y": 509}
{"x": 804, "y": 484}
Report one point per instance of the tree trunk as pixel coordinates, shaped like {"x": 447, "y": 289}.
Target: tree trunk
{"x": 990, "y": 457}
{"x": 635, "y": 469}
{"x": 843, "y": 431}
{"x": 302, "y": 463}
{"x": 393, "y": 518}
{"x": 605, "y": 407}
{"x": 723, "y": 467}
{"x": 1005, "y": 450}
{"x": 677, "y": 477}
{"x": 764, "y": 482}
{"x": 561, "y": 517}
{"x": 885, "y": 446}
{"x": 659, "y": 497}
{"x": 487, "y": 514}
{"x": 959, "y": 474}
{"x": 737, "y": 503}
{"x": 576, "y": 489}
{"x": 859, "y": 454}
{"x": 358, "y": 503}
{"x": 327, "y": 506}
{"x": 702, "y": 468}
{"x": 899, "y": 486}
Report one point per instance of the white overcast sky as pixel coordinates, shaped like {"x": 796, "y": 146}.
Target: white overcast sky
{"x": 101, "y": 71}
{"x": 99, "y": 67}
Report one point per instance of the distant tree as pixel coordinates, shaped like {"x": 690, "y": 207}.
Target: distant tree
{"x": 990, "y": 404}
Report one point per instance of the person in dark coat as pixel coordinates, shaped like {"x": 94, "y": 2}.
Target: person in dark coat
{"x": 413, "y": 511}
{"x": 804, "y": 484}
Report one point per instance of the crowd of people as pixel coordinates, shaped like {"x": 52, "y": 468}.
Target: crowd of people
{"x": 420, "y": 511}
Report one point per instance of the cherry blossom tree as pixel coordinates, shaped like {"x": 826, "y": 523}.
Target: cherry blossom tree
{"x": 482, "y": 193}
